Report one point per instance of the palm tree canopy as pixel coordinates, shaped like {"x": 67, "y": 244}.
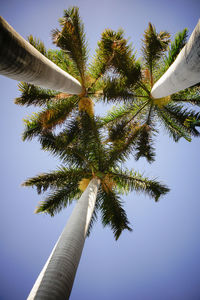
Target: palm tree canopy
{"x": 81, "y": 144}
{"x": 88, "y": 156}
{"x": 112, "y": 53}
{"x": 178, "y": 114}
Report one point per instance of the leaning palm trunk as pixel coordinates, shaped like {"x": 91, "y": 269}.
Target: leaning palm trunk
{"x": 184, "y": 72}
{"x": 56, "y": 279}
{"x": 21, "y": 61}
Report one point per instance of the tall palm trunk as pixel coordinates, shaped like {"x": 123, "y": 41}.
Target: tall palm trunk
{"x": 56, "y": 278}
{"x": 19, "y": 60}
{"x": 184, "y": 72}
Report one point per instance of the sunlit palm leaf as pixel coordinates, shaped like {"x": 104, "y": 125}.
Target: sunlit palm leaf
{"x": 32, "y": 95}
{"x": 154, "y": 46}
{"x": 71, "y": 38}
{"x": 112, "y": 212}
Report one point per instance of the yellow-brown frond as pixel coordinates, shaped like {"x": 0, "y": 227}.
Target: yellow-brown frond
{"x": 87, "y": 105}
{"x": 62, "y": 96}
{"x": 160, "y": 102}
{"x": 146, "y": 75}
{"x": 83, "y": 184}
{"x": 46, "y": 119}
{"x": 108, "y": 183}
{"x": 89, "y": 80}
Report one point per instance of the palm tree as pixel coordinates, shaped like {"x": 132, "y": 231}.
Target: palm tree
{"x": 132, "y": 82}
{"x": 89, "y": 164}
{"x": 20, "y": 61}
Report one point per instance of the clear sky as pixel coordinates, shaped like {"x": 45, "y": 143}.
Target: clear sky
{"x": 160, "y": 259}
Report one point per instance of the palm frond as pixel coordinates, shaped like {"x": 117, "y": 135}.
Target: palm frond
{"x": 114, "y": 53}
{"x": 32, "y": 95}
{"x": 123, "y": 148}
{"x": 58, "y": 57}
{"x": 63, "y": 60}
{"x": 47, "y": 119}
{"x": 67, "y": 145}
{"x": 55, "y": 142}
{"x": 175, "y": 119}
{"x": 115, "y": 90}
{"x": 154, "y": 46}
{"x": 33, "y": 127}
{"x": 57, "y": 111}
{"x": 120, "y": 130}
{"x": 144, "y": 146}
{"x": 59, "y": 199}
{"x": 125, "y": 113}
{"x": 172, "y": 128}
{"x": 112, "y": 212}
{"x": 102, "y": 60}
{"x": 191, "y": 97}
{"x": 70, "y": 154}
{"x": 59, "y": 178}
{"x": 71, "y": 38}
{"x": 90, "y": 141}
{"x": 133, "y": 181}
{"x": 115, "y": 114}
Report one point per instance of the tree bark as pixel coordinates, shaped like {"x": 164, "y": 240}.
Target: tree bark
{"x": 185, "y": 70}
{"x": 56, "y": 278}
{"x": 19, "y": 60}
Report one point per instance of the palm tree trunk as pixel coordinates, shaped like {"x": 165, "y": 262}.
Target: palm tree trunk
{"x": 184, "y": 72}
{"x": 56, "y": 278}
{"x": 19, "y": 60}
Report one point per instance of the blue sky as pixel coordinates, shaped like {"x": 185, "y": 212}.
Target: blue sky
{"x": 160, "y": 258}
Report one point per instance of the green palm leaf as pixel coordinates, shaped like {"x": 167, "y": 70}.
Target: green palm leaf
{"x": 134, "y": 181}
{"x": 32, "y": 95}
{"x": 122, "y": 150}
{"x": 54, "y": 179}
{"x": 154, "y": 46}
{"x": 59, "y": 199}
{"x": 53, "y": 115}
{"x": 71, "y": 38}
{"x": 114, "y": 53}
{"x": 112, "y": 212}
{"x": 115, "y": 90}
{"x": 175, "y": 119}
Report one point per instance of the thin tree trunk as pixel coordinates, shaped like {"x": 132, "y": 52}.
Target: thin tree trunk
{"x": 184, "y": 72}
{"x": 19, "y": 60}
{"x": 56, "y": 278}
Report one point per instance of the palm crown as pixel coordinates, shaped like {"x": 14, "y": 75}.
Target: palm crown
{"x": 73, "y": 58}
{"x": 140, "y": 108}
{"x": 86, "y": 158}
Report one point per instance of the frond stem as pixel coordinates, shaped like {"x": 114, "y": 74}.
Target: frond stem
{"x": 141, "y": 108}
{"x": 86, "y": 160}
{"x": 143, "y": 86}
